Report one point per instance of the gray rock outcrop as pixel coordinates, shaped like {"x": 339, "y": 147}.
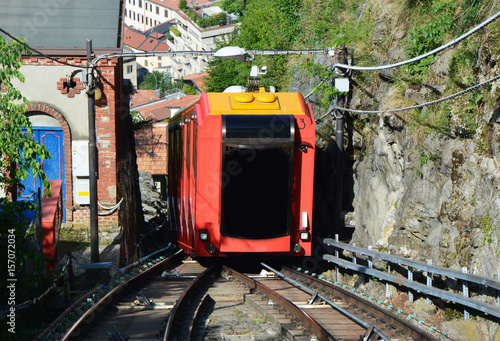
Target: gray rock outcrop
{"x": 153, "y": 206}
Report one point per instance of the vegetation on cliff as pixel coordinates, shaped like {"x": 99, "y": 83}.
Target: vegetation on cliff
{"x": 376, "y": 33}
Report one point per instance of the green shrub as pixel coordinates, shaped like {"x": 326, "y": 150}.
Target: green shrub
{"x": 174, "y": 31}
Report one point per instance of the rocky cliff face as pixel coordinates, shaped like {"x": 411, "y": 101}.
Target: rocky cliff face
{"x": 439, "y": 201}
{"x": 418, "y": 194}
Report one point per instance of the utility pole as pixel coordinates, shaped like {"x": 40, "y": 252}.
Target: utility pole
{"x": 339, "y": 164}
{"x": 341, "y": 84}
{"x": 94, "y": 227}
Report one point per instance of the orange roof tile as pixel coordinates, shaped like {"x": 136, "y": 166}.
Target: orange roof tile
{"x": 156, "y": 35}
{"x": 197, "y": 78}
{"x": 142, "y": 97}
{"x": 172, "y": 4}
{"x": 140, "y": 41}
{"x": 161, "y": 110}
{"x": 157, "y": 111}
{"x": 182, "y": 102}
{"x": 132, "y": 37}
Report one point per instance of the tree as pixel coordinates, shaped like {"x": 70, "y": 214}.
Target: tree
{"x": 224, "y": 73}
{"x": 189, "y": 90}
{"x": 152, "y": 81}
{"x": 20, "y": 157}
{"x": 234, "y": 6}
{"x": 266, "y": 24}
{"x": 19, "y": 153}
{"x": 182, "y": 4}
{"x": 160, "y": 81}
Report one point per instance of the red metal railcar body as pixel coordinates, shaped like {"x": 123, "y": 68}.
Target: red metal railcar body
{"x": 240, "y": 178}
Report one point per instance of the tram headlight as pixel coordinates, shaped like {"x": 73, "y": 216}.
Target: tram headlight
{"x": 203, "y": 235}
{"x": 304, "y": 235}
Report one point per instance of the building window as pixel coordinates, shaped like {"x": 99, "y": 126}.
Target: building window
{"x": 159, "y": 64}
{"x": 140, "y": 3}
{"x": 134, "y": 2}
{"x": 157, "y": 10}
{"x": 130, "y": 68}
{"x": 134, "y": 15}
{"x": 166, "y": 13}
{"x": 145, "y": 63}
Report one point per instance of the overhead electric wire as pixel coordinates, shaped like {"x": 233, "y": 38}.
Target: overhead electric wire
{"x": 150, "y": 54}
{"x": 415, "y": 106}
{"x": 388, "y": 66}
{"x": 436, "y": 50}
{"x": 309, "y": 51}
{"x": 382, "y": 67}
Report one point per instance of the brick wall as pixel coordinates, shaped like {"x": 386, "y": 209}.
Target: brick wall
{"x": 109, "y": 110}
{"x": 151, "y": 148}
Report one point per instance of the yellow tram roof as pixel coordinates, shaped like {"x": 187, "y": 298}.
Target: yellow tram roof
{"x": 264, "y": 103}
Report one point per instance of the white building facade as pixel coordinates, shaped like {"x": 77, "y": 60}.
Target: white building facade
{"x": 144, "y": 14}
{"x": 188, "y": 36}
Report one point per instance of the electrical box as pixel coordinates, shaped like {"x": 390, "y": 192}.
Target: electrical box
{"x": 81, "y": 190}
{"x": 342, "y": 84}
{"x": 81, "y": 184}
{"x": 80, "y": 158}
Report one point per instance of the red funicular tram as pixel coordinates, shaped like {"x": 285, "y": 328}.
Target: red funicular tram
{"x": 241, "y": 169}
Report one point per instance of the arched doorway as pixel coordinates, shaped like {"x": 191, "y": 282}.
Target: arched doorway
{"x": 48, "y": 132}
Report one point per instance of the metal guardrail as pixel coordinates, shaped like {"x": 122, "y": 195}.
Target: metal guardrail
{"x": 409, "y": 283}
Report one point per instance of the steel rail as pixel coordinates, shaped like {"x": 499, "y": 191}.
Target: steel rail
{"x": 330, "y": 302}
{"x": 308, "y": 321}
{"x": 184, "y": 300}
{"x": 109, "y": 296}
{"x": 416, "y": 333}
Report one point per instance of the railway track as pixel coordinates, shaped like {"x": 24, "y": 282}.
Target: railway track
{"x": 326, "y": 311}
{"x": 134, "y": 304}
{"x": 182, "y": 300}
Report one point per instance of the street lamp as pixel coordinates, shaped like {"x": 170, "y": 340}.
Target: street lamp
{"x": 232, "y": 52}
{"x": 156, "y": 80}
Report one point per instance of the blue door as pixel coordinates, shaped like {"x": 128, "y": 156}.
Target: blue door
{"x": 53, "y": 139}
